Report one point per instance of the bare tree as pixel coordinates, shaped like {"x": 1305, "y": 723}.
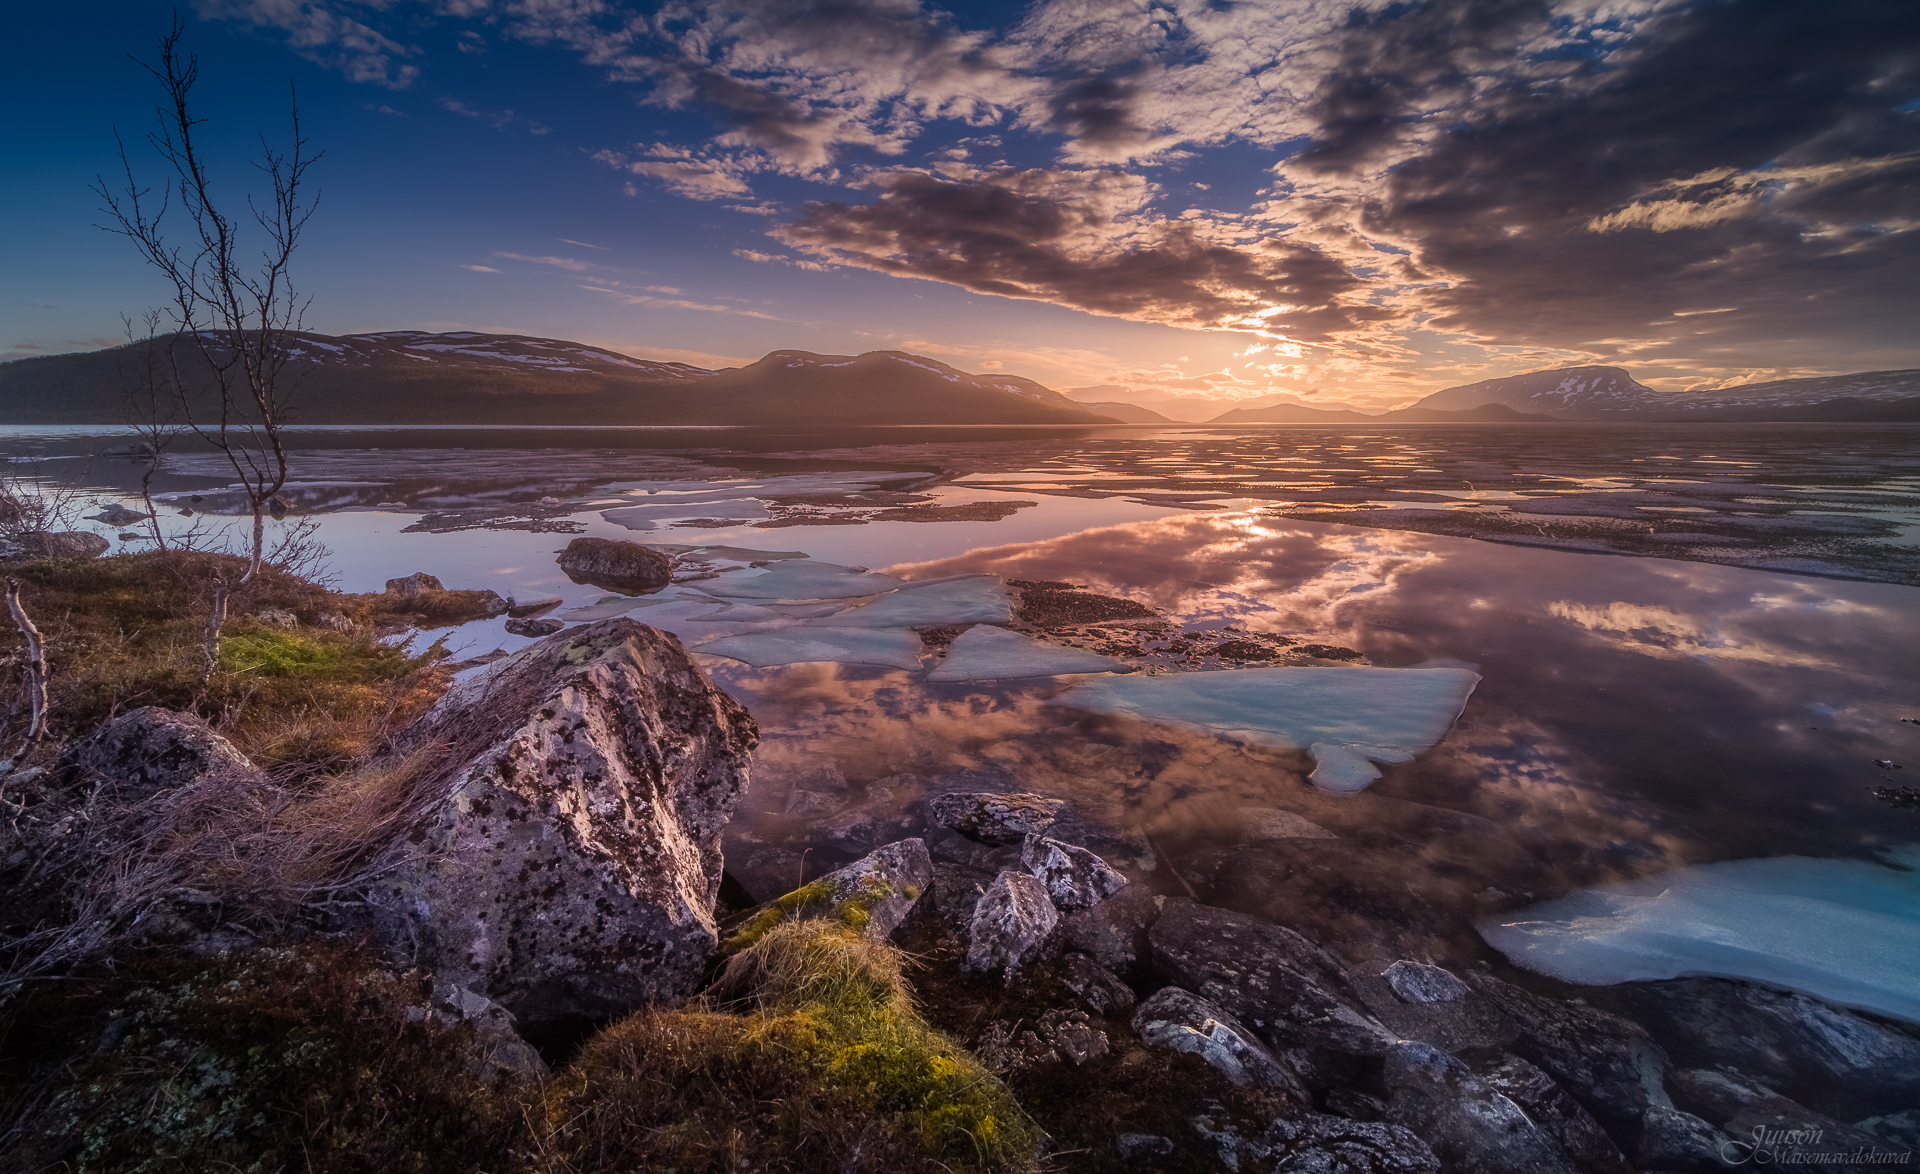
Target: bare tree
{"x": 152, "y": 399}
{"x": 239, "y": 318}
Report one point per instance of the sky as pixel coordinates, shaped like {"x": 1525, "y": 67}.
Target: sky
{"x": 1359, "y": 202}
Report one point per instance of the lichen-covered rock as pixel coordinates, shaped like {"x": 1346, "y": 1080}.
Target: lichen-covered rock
{"x": 1284, "y": 987}
{"x": 1011, "y": 921}
{"x": 1185, "y": 1022}
{"x": 1073, "y": 877}
{"x": 873, "y": 895}
{"x": 150, "y": 751}
{"x": 1316, "y": 1143}
{"x": 417, "y": 583}
{"x": 567, "y": 856}
{"x": 1470, "y": 1125}
{"x": 496, "y": 1049}
{"x": 1417, "y": 982}
{"x": 993, "y": 817}
{"x": 1114, "y": 932}
{"x": 617, "y": 566}
{"x": 1671, "y": 1139}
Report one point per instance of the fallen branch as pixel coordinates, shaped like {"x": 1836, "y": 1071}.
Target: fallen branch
{"x": 36, "y": 669}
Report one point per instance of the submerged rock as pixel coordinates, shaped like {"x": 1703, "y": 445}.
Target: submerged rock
{"x": 627, "y": 567}
{"x": 1185, "y": 1022}
{"x": 534, "y": 628}
{"x": 566, "y": 857}
{"x": 1010, "y": 923}
{"x": 1073, "y": 877}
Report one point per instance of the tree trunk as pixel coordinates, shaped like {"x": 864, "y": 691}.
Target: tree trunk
{"x": 36, "y": 669}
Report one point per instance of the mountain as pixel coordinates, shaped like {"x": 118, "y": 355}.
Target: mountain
{"x": 1609, "y": 393}
{"x": 1484, "y": 414}
{"x": 1289, "y": 414}
{"x": 413, "y": 377}
{"x": 1125, "y": 413}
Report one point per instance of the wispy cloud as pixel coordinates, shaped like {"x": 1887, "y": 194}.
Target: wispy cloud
{"x": 571, "y": 264}
{"x": 481, "y": 268}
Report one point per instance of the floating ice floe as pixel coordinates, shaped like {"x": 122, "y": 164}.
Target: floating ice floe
{"x": 890, "y": 647}
{"x": 649, "y": 516}
{"x": 988, "y": 654}
{"x": 976, "y": 599}
{"x": 608, "y": 606}
{"x": 1847, "y": 931}
{"x": 800, "y": 579}
{"x": 1346, "y": 718}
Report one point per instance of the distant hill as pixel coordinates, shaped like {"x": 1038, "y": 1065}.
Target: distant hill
{"x": 1125, "y": 413}
{"x": 413, "y": 377}
{"x": 1609, "y": 393}
{"x": 1289, "y": 414}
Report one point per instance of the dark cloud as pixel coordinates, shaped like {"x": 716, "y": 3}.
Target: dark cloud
{"x": 1069, "y": 237}
{"x": 1744, "y": 155}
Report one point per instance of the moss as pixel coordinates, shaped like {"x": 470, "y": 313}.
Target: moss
{"x": 818, "y": 1061}
{"x": 776, "y": 912}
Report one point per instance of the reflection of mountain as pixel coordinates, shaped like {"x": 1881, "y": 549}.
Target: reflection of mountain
{"x": 411, "y": 377}
{"x": 1125, "y": 413}
{"x": 1609, "y": 393}
{"x": 1294, "y": 414}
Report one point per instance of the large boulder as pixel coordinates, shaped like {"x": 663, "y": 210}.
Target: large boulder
{"x": 873, "y": 895}
{"x": 53, "y": 544}
{"x": 1284, "y": 987}
{"x": 627, "y": 567}
{"x": 1073, "y": 877}
{"x": 1559, "y": 1115}
{"x": 149, "y": 752}
{"x": 994, "y": 817}
{"x": 566, "y": 855}
{"x": 1315, "y": 1143}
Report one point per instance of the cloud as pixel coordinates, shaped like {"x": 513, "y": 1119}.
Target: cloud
{"x": 325, "y": 34}
{"x": 570, "y": 264}
{"x": 481, "y": 268}
{"x": 709, "y": 178}
{"x": 583, "y": 244}
{"x": 620, "y": 292}
{"x": 1086, "y": 239}
{"x": 776, "y": 259}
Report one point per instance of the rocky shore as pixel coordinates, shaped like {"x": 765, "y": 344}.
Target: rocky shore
{"x": 507, "y": 934}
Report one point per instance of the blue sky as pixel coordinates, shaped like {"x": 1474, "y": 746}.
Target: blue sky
{"x": 1238, "y": 200}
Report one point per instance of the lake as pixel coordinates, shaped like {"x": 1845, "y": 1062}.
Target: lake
{"x": 1694, "y": 643}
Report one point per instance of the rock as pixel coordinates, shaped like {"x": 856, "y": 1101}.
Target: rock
{"x": 1272, "y": 823}
{"x": 1059, "y": 1036}
{"x": 1578, "y": 1135}
{"x": 766, "y": 871}
{"x": 1842, "y": 1062}
{"x": 566, "y": 857}
{"x": 150, "y": 752}
{"x": 1609, "y": 1064}
{"x": 1286, "y": 988}
{"x": 497, "y": 1050}
{"x": 811, "y": 804}
{"x": 626, "y": 567}
{"x": 1095, "y": 985}
{"x": 947, "y": 844}
{"x": 1185, "y": 1022}
{"x": 1114, "y": 932}
{"x": 415, "y": 584}
{"x": 957, "y": 890}
{"x": 118, "y": 515}
{"x": 1681, "y": 1142}
{"x": 1318, "y": 1144}
{"x": 876, "y": 892}
{"x": 1469, "y": 1022}
{"x": 1073, "y": 877}
{"x": 524, "y": 606}
{"x": 534, "y": 628}
{"x": 49, "y": 544}
{"x": 278, "y": 617}
{"x": 1902, "y": 1129}
{"x": 333, "y": 621}
{"x": 825, "y": 776}
{"x": 1352, "y": 1103}
{"x": 1010, "y": 923}
{"x": 1417, "y": 982}
{"x": 1469, "y": 1125}
{"x": 1076, "y": 1040}
{"x": 1135, "y": 1147}
{"x": 1754, "y": 1115}
{"x": 994, "y": 818}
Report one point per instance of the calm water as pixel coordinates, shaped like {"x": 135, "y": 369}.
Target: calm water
{"x": 1674, "y": 706}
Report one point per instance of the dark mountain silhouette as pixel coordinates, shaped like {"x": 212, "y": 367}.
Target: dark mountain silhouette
{"x": 413, "y": 377}
{"x": 1290, "y": 414}
{"x": 1125, "y": 413}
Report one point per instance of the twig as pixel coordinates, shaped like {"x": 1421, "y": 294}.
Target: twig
{"x": 36, "y": 669}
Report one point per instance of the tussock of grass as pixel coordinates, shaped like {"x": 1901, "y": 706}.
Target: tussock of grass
{"x": 819, "y": 1062}
{"x": 126, "y": 631}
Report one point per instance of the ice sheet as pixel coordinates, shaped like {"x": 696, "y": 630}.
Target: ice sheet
{"x": 1847, "y": 931}
{"x": 978, "y": 599}
{"x": 987, "y": 653}
{"x": 800, "y": 579}
{"x": 1347, "y": 718}
{"x": 649, "y": 516}
{"x": 892, "y": 647}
